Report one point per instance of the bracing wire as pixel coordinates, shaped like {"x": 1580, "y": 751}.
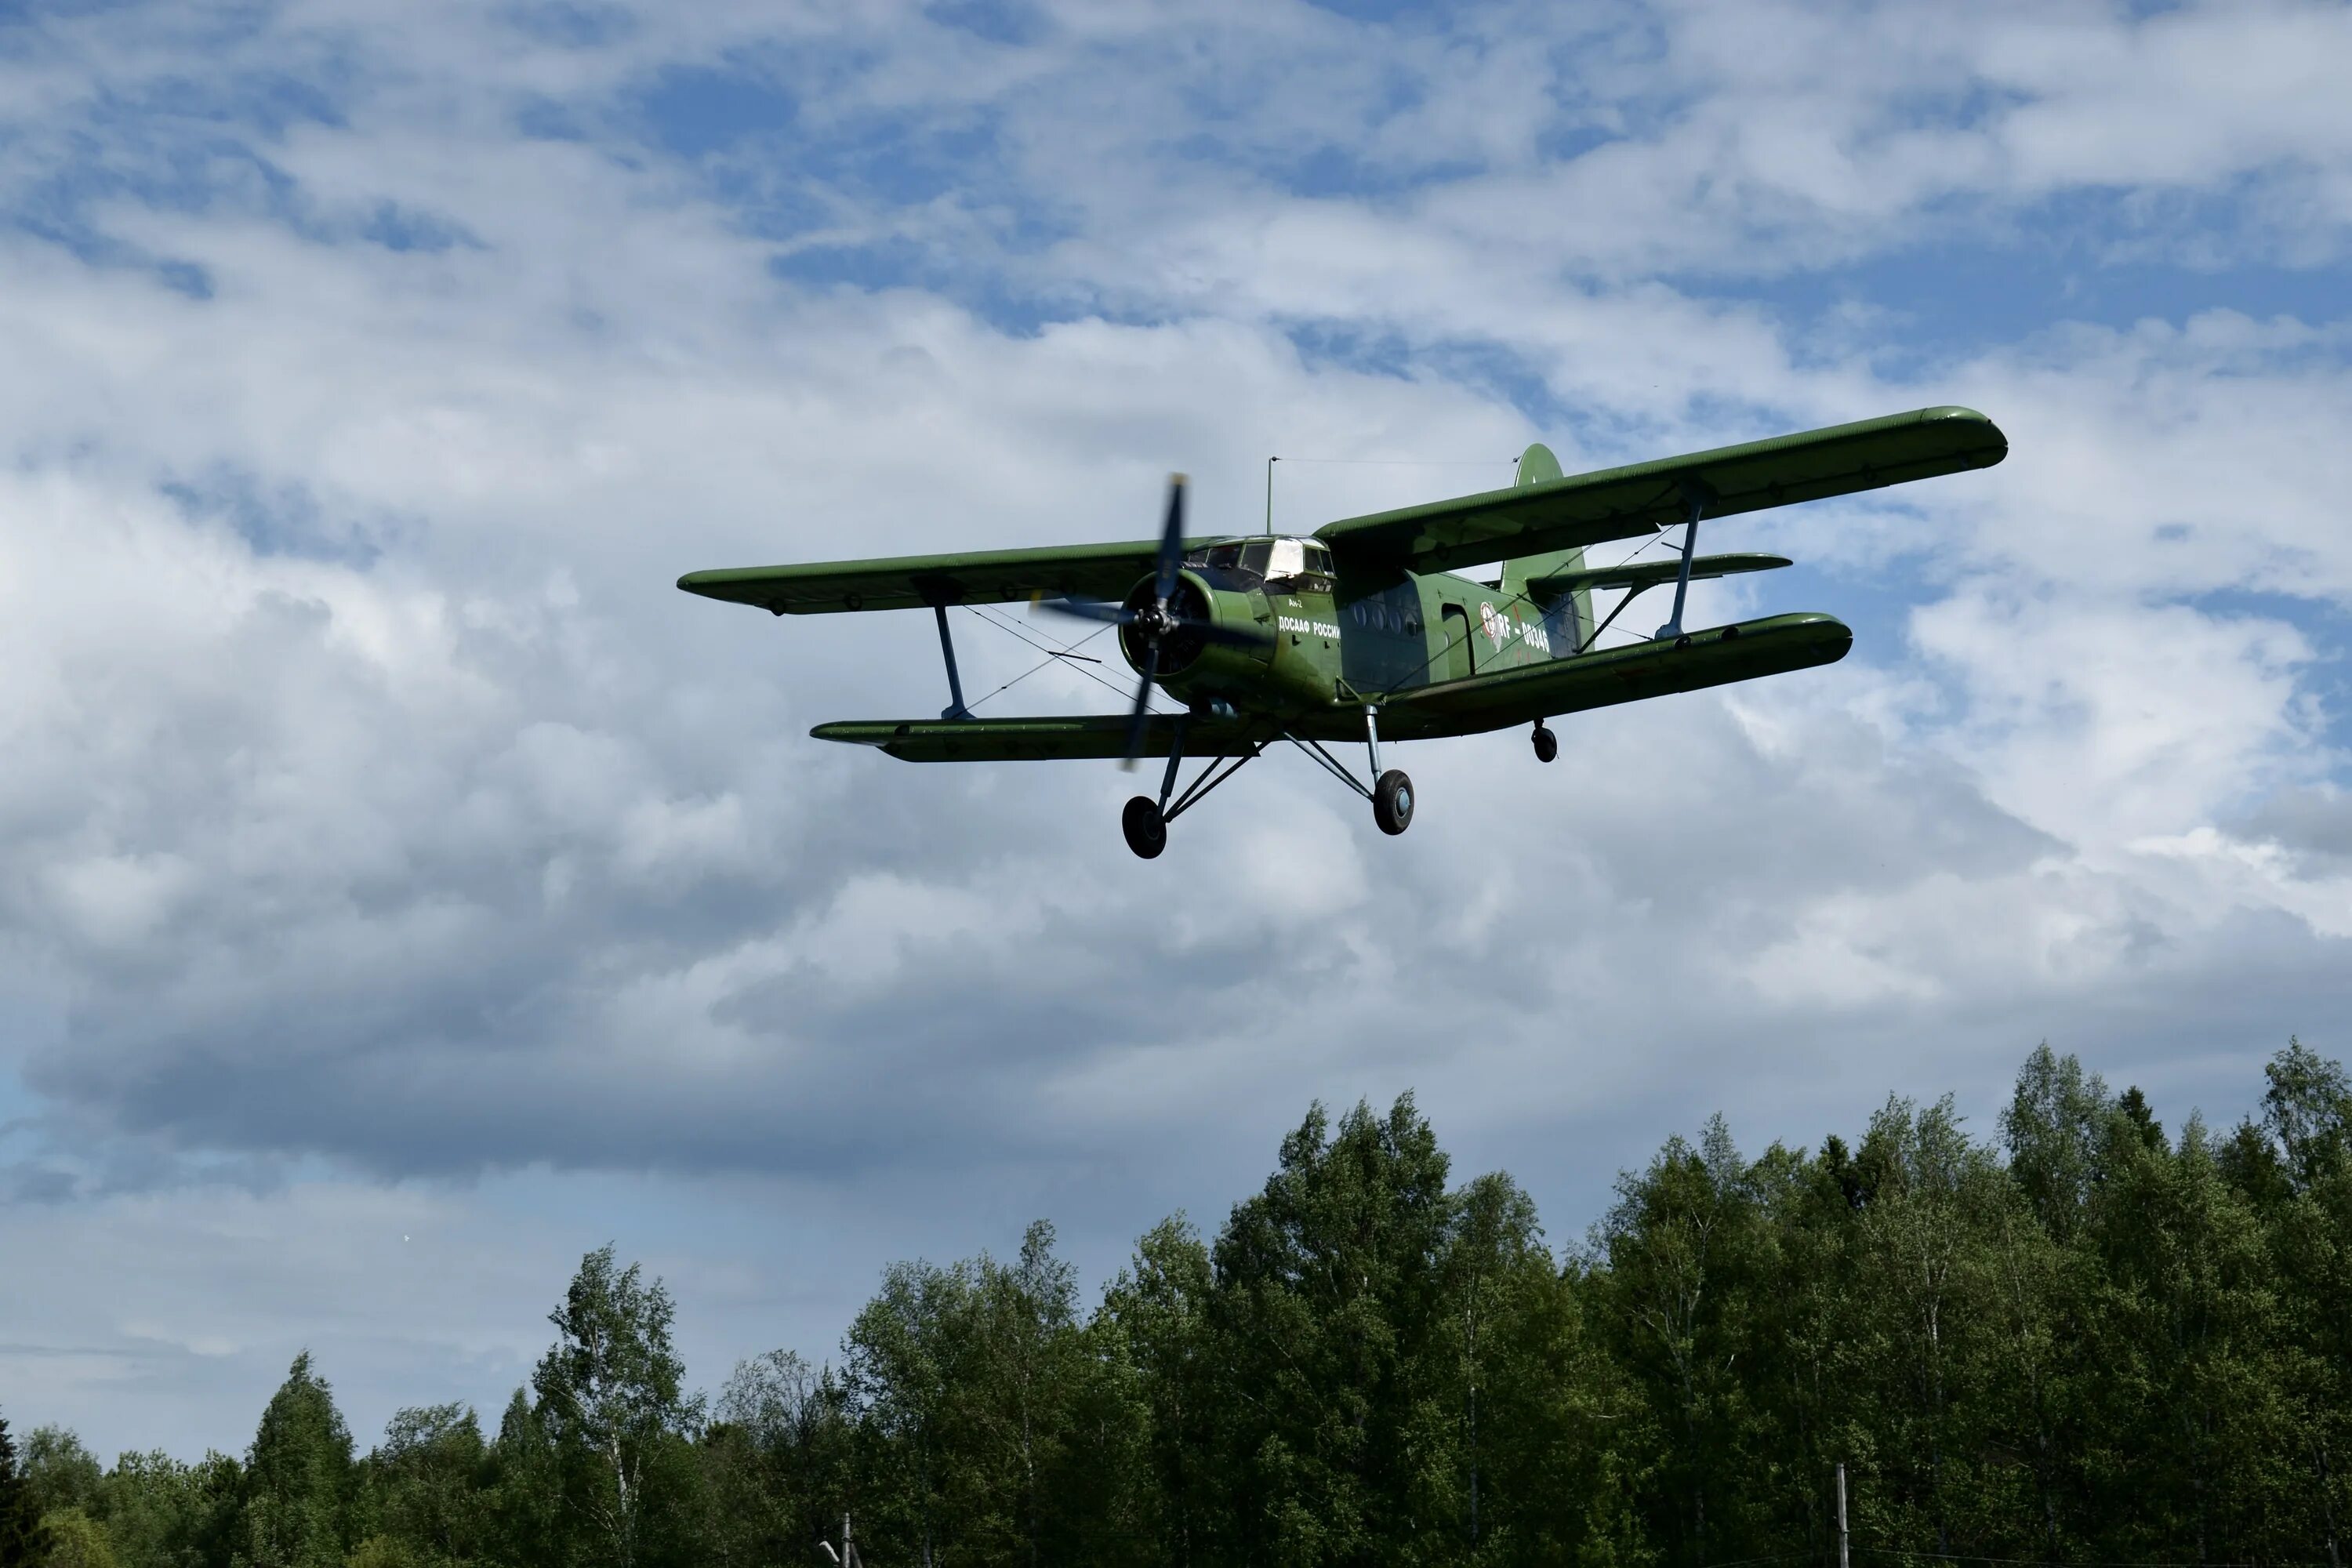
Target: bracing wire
{"x": 1053, "y": 656}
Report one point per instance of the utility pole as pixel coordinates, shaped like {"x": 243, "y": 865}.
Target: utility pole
{"x": 1270, "y": 462}
{"x": 1840, "y": 1502}
{"x": 848, "y": 1556}
{"x": 2327, "y": 1507}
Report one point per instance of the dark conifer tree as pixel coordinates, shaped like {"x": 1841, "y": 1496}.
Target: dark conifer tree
{"x": 299, "y": 1477}
{"x": 23, "y": 1542}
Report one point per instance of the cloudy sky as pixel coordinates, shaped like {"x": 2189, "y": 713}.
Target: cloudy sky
{"x": 404, "y": 889}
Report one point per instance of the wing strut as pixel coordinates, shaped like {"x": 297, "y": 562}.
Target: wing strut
{"x": 1695, "y": 499}
{"x": 1209, "y": 779}
{"x": 955, "y": 708}
{"x": 1175, "y": 760}
{"x": 1331, "y": 764}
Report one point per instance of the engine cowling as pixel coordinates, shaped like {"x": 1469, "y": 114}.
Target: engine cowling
{"x": 1187, "y": 660}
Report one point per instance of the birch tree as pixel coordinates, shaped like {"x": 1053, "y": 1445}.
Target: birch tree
{"x": 610, "y": 1396}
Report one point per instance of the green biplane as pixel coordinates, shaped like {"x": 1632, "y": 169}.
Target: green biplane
{"x": 1367, "y": 629}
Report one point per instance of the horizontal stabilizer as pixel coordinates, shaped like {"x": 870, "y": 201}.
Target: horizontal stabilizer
{"x": 1649, "y": 574}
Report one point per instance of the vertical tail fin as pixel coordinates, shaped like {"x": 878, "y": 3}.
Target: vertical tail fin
{"x": 1568, "y": 619}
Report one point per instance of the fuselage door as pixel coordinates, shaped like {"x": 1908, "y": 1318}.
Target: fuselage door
{"x": 1453, "y": 663}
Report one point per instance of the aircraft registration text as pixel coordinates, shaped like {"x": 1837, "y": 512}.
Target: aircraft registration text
{"x": 1505, "y": 629}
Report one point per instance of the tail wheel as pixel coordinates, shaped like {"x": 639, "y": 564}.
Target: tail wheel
{"x": 1147, "y": 830}
{"x": 1546, "y": 744}
{"x": 1392, "y": 802}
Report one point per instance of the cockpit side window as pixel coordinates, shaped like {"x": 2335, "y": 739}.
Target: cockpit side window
{"x": 1286, "y": 561}
{"x": 1254, "y": 557}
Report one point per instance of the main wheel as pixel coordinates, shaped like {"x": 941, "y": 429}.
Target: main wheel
{"x": 1146, "y": 829}
{"x": 1546, "y": 744}
{"x": 1392, "y": 802}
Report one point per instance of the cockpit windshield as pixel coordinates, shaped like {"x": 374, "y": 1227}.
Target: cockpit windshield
{"x": 1265, "y": 560}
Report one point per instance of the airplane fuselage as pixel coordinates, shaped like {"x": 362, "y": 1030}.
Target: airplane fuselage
{"x": 1340, "y": 641}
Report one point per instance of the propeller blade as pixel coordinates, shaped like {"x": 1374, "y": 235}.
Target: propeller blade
{"x": 1089, "y": 610}
{"x": 1142, "y": 709}
{"x": 1171, "y": 539}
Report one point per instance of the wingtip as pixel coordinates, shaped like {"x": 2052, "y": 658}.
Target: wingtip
{"x": 1987, "y": 451}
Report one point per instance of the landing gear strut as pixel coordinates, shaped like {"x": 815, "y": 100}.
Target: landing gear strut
{"x": 1145, "y": 820}
{"x": 1546, "y": 744}
{"x": 1391, "y": 791}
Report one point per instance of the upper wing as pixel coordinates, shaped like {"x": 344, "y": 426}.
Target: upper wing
{"x": 912, "y": 582}
{"x": 1642, "y": 497}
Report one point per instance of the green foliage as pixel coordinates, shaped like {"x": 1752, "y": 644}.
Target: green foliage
{"x": 610, "y": 1401}
{"x": 425, "y": 1489}
{"x": 77, "y": 1541}
{"x": 62, "y": 1474}
{"x": 775, "y": 1456}
{"x": 23, "y": 1542}
{"x": 161, "y": 1513}
{"x": 1152, "y": 1337}
{"x": 522, "y": 1497}
{"x": 966, "y": 1381}
{"x": 386, "y": 1551}
{"x": 1325, "y": 1311}
{"x": 2092, "y": 1343}
{"x": 298, "y": 1478}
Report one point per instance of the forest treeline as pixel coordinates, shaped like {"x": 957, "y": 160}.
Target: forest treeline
{"x": 2092, "y": 1340}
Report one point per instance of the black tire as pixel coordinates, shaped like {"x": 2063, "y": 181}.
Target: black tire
{"x": 1146, "y": 829}
{"x": 1546, "y": 744}
{"x": 1392, "y": 802}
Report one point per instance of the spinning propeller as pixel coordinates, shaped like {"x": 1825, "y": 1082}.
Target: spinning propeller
{"x": 1154, "y": 618}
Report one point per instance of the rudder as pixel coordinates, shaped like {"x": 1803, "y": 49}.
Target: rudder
{"x": 1568, "y": 619}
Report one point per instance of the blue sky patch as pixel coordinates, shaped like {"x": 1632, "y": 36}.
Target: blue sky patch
{"x": 695, "y": 110}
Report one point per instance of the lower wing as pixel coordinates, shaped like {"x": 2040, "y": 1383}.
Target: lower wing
{"x": 1099, "y": 736}
{"x": 1714, "y": 658}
